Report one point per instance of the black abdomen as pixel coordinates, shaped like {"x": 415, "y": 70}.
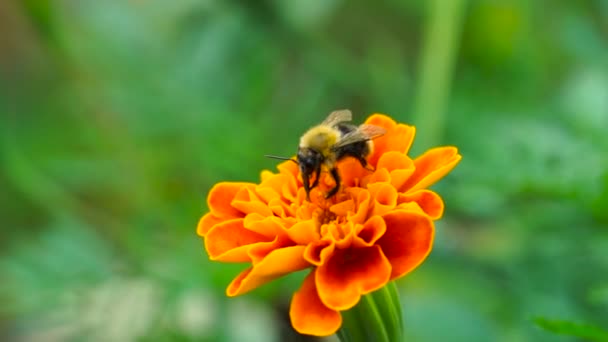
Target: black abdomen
{"x": 358, "y": 150}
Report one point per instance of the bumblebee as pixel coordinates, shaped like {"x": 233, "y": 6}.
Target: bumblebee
{"x": 331, "y": 141}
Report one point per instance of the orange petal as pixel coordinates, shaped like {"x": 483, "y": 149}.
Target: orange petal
{"x": 247, "y": 201}
{"x": 274, "y": 186}
{"x": 407, "y": 241}
{"x": 290, "y": 190}
{"x": 399, "y": 177}
{"x": 288, "y": 168}
{"x": 265, "y": 174}
{"x": 306, "y": 210}
{"x": 207, "y": 222}
{"x": 394, "y": 160}
{"x": 343, "y": 208}
{"x": 220, "y": 197}
{"x": 380, "y": 175}
{"x": 230, "y": 240}
{"x": 276, "y": 264}
{"x": 429, "y": 201}
{"x": 275, "y": 182}
{"x": 350, "y": 273}
{"x": 319, "y": 251}
{"x": 303, "y": 232}
{"x": 308, "y": 314}
{"x": 384, "y": 197}
{"x": 269, "y": 227}
{"x": 381, "y": 120}
{"x": 362, "y": 199}
{"x": 351, "y": 172}
{"x": 341, "y": 233}
{"x": 280, "y": 208}
{"x": 267, "y": 194}
{"x": 399, "y": 137}
{"x": 370, "y": 232}
{"x": 411, "y": 207}
{"x": 400, "y": 166}
{"x": 431, "y": 166}
{"x": 259, "y": 251}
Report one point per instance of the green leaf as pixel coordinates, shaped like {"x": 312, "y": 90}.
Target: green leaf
{"x": 581, "y": 330}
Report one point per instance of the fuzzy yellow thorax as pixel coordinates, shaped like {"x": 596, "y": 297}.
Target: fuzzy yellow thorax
{"x": 320, "y": 138}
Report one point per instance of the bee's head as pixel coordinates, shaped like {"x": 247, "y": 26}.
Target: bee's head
{"x": 309, "y": 161}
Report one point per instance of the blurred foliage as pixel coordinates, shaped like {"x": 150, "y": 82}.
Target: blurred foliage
{"x": 587, "y": 332}
{"x": 118, "y": 116}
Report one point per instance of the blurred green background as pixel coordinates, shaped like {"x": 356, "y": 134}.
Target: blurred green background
{"x": 118, "y": 116}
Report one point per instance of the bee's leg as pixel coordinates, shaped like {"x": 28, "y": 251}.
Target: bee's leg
{"x": 305, "y": 182}
{"x": 364, "y": 163}
{"x": 336, "y": 176}
{"x": 317, "y": 176}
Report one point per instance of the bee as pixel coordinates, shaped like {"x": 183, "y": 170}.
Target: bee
{"x": 329, "y": 142}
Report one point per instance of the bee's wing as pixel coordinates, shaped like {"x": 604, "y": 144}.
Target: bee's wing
{"x": 362, "y": 133}
{"x": 338, "y": 116}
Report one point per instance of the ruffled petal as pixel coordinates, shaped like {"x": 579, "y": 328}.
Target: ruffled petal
{"x": 343, "y": 208}
{"x": 247, "y": 201}
{"x": 280, "y": 208}
{"x": 308, "y": 314}
{"x": 267, "y": 193}
{"x": 259, "y": 251}
{"x": 381, "y": 175}
{"x": 265, "y": 175}
{"x": 350, "y": 273}
{"x": 381, "y": 120}
{"x": 289, "y": 168}
{"x": 268, "y": 226}
{"x": 370, "y": 232}
{"x": 220, "y": 197}
{"x": 399, "y": 137}
{"x": 363, "y": 204}
{"x": 429, "y": 201}
{"x": 399, "y": 166}
{"x": 394, "y": 160}
{"x": 305, "y": 210}
{"x": 276, "y": 186}
{"x": 432, "y": 166}
{"x": 207, "y": 222}
{"x": 351, "y": 172}
{"x": 303, "y": 232}
{"x": 384, "y": 196}
{"x": 276, "y": 264}
{"x": 230, "y": 240}
{"x": 407, "y": 241}
{"x": 318, "y": 252}
{"x": 341, "y": 233}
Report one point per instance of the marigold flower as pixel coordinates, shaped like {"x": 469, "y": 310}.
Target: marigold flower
{"x": 377, "y": 228}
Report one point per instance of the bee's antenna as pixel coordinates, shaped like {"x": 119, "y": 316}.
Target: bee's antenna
{"x": 280, "y": 158}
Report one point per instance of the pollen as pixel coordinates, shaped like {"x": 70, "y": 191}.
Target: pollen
{"x": 327, "y": 216}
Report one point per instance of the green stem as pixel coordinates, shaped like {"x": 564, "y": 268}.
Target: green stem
{"x": 392, "y": 315}
{"x": 351, "y": 330}
{"x": 435, "y": 70}
{"x": 377, "y": 317}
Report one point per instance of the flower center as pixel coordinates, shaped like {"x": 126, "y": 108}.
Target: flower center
{"x": 329, "y": 222}
{"x": 325, "y": 216}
